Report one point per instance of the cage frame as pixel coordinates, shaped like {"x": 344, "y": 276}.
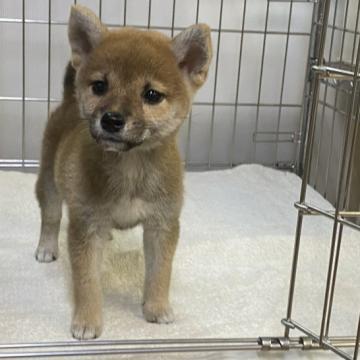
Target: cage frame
{"x": 311, "y": 340}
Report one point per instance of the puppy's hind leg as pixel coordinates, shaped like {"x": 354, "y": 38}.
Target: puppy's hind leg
{"x": 50, "y": 204}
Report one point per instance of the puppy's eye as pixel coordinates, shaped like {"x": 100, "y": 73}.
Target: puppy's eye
{"x": 152, "y": 96}
{"x": 99, "y": 87}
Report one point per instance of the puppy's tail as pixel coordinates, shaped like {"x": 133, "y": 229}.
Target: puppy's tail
{"x": 69, "y": 81}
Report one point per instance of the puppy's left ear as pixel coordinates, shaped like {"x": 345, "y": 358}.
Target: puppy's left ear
{"x": 85, "y": 33}
{"x": 193, "y": 51}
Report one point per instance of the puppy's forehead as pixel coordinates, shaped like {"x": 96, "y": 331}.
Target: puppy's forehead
{"x": 132, "y": 53}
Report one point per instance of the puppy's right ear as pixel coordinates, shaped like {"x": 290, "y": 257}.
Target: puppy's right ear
{"x": 85, "y": 32}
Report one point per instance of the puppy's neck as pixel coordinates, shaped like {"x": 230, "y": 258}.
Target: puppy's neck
{"x": 139, "y": 156}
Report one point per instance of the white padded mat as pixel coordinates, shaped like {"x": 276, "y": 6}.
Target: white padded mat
{"x": 231, "y": 271}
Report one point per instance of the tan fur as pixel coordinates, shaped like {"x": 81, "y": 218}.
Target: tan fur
{"x": 109, "y": 184}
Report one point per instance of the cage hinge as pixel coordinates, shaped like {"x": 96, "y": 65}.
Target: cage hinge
{"x": 274, "y": 343}
{"x": 308, "y": 343}
{"x": 285, "y": 343}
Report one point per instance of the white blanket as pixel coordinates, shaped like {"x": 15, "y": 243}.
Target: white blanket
{"x": 231, "y": 270}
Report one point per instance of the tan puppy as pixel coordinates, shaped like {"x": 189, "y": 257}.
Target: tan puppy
{"x": 109, "y": 151}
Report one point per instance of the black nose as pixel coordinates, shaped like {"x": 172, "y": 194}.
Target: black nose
{"x": 112, "y": 122}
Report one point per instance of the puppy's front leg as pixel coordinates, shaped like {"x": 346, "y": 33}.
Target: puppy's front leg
{"x": 86, "y": 254}
{"x": 50, "y": 204}
{"x": 159, "y": 248}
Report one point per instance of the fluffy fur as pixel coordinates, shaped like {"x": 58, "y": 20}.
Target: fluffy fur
{"x": 122, "y": 179}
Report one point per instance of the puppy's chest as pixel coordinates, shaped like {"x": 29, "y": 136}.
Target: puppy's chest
{"x": 128, "y": 211}
{"x": 133, "y": 202}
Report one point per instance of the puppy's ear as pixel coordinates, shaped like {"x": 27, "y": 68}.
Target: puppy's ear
{"x": 193, "y": 51}
{"x": 85, "y": 32}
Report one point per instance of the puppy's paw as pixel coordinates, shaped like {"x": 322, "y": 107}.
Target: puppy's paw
{"x": 158, "y": 313}
{"x": 86, "y": 329}
{"x": 46, "y": 254}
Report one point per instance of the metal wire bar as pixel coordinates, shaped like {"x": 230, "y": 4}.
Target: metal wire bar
{"x": 149, "y": 15}
{"x": 339, "y": 235}
{"x": 288, "y": 137}
{"x": 125, "y": 8}
{"x": 283, "y": 77}
{"x": 49, "y": 61}
{"x": 335, "y": 73}
{"x": 32, "y": 163}
{"x": 215, "y": 87}
{"x": 308, "y": 209}
{"x": 261, "y": 75}
{"x": 343, "y": 29}
{"x": 324, "y": 15}
{"x": 322, "y": 121}
{"x": 204, "y": 103}
{"x": 173, "y": 18}
{"x": 232, "y": 145}
{"x": 94, "y": 343}
{"x": 306, "y": 93}
{"x": 157, "y": 27}
{"x": 147, "y": 346}
{"x": 335, "y": 111}
{"x": 345, "y": 168}
{"x": 355, "y": 130}
{"x": 191, "y": 166}
{"x": 23, "y": 145}
{"x": 188, "y": 137}
{"x": 332, "y": 107}
{"x": 18, "y": 163}
{"x": 357, "y": 344}
{"x": 129, "y": 351}
{"x": 197, "y": 12}
{"x": 356, "y": 28}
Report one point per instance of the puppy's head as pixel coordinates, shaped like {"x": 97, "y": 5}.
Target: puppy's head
{"x": 135, "y": 87}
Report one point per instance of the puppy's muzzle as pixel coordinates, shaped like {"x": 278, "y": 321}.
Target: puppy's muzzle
{"x": 112, "y": 122}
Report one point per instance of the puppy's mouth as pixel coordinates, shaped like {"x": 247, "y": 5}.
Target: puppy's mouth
{"x": 114, "y": 144}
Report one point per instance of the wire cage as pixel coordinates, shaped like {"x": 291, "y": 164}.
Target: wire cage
{"x": 260, "y": 50}
{"x": 249, "y": 111}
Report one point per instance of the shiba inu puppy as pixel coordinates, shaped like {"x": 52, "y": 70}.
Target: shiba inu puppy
{"x": 109, "y": 151}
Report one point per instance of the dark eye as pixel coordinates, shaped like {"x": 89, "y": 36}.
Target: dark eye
{"x": 99, "y": 87}
{"x": 152, "y": 96}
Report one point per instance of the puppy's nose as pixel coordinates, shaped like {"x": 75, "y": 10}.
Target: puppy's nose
{"x": 112, "y": 122}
